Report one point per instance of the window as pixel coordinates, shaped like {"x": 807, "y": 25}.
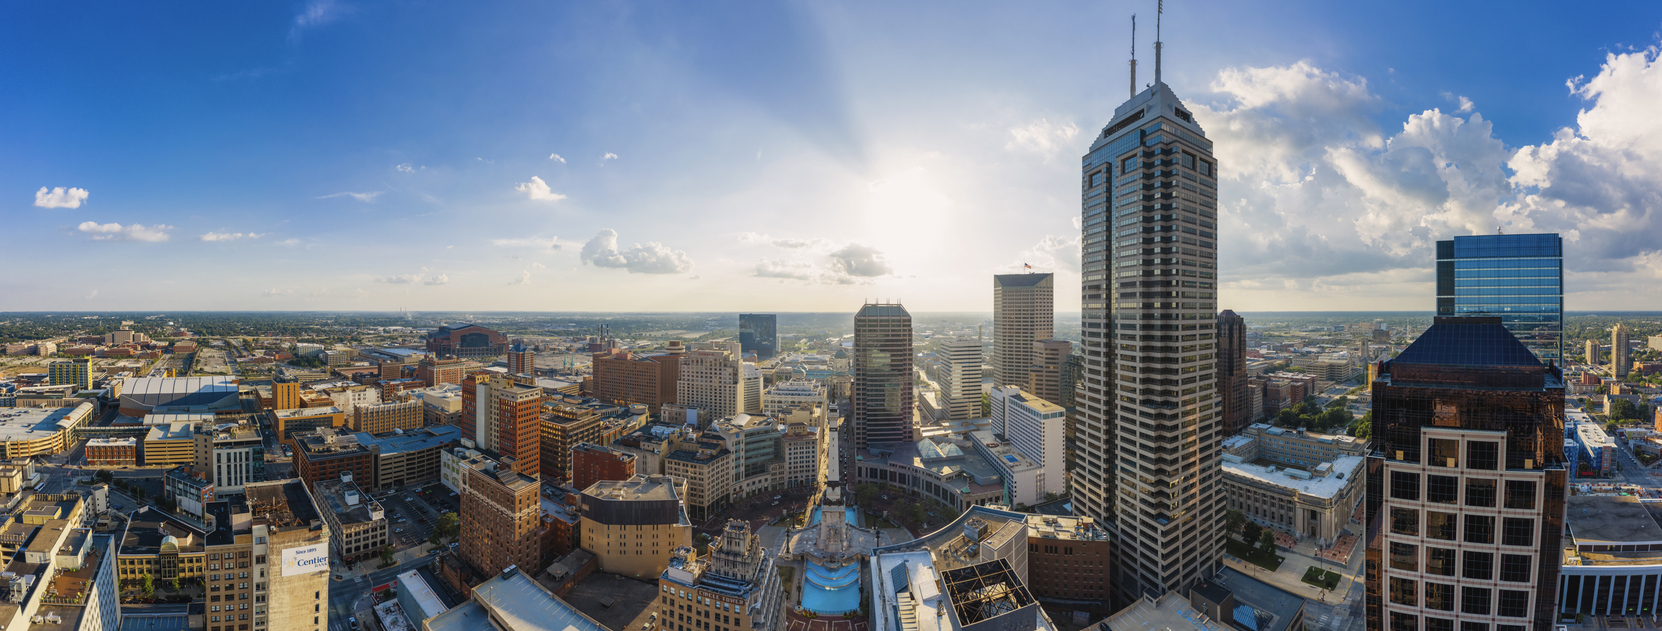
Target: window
{"x": 1404, "y": 622}
{"x": 1405, "y": 486}
{"x": 1405, "y": 521}
{"x": 1479, "y": 565}
{"x": 1444, "y": 452}
{"x": 1514, "y": 568}
{"x": 1474, "y": 600}
{"x": 1442, "y": 489}
{"x": 1520, "y": 494}
{"x": 1514, "y": 604}
{"x": 1439, "y": 624}
{"x": 1474, "y": 626}
{"x": 1518, "y": 532}
{"x": 1402, "y": 592}
{"x": 1480, "y": 529}
{"x": 1205, "y": 167}
{"x": 1439, "y": 596}
{"x": 1482, "y": 454}
{"x": 1439, "y": 561}
{"x": 1188, "y": 160}
{"x": 1480, "y": 493}
{"x": 1440, "y": 525}
{"x": 1405, "y": 557}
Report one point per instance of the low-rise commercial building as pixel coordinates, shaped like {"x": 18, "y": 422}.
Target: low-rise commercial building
{"x": 233, "y": 455}
{"x": 288, "y": 423}
{"x": 1316, "y": 503}
{"x": 591, "y": 463}
{"x": 634, "y": 526}
{"x": 112, "y": 452}
{"x": 324, "y": 454}
{"x": 381, "y": 418}
{"x": 189, "y": 489}
{"x": 27, "y": 432}
{"x": 170, "y": 444}
{"x": 513, "y": 601}
{"x": 357, "y": 523}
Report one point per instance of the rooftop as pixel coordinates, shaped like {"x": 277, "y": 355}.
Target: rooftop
{"x": 171, "y": 431}
{"x": 513, "y": 602}
{"x": 1021, "y": 280}
{"x": 347, "y": 502}
{"x": 1172, "y": 612}
{"x": 32, "y": 423}
{"x": 1345, "y": 469}
{"x": 150, "y": 530}
{"x": 1467, "y": 341}
{"x": 876, "y": 310}
{"x": 283, "y": 503}
{"x": 397, "y": 442}
{"x": 1274, "y": 608}
{"x": 1596, "y": 520}
{"x": 306, "y": 412}
{"x": 638, "y": 488}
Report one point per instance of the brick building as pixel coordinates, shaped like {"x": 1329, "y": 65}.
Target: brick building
{"x": 324, "y": 453}
{"x": 501, "y": 519}
{"x": 629, "y": 378}
{"x": 592, "y": 463}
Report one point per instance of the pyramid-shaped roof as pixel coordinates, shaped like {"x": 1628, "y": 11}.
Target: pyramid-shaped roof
{"x": 1467, "y": 341}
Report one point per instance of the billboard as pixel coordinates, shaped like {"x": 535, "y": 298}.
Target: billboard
{"x": 305, "y": 560}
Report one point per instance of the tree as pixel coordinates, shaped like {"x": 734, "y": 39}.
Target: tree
{"x": 386, "y": 556}
{"x": 1233, "y": 520}
{"x": 149, "y": 586}
{"x": 173, "y": 584}
{"x": 1363, "y": 428}
{"x": 1622, "y": 409}
{"x": 986, "y": 405}
{"x": 1267, "y": 539}
{"x": 864, "y": 493}
{"x": 1251, "y": 531}
{"x": 447, "y": 525}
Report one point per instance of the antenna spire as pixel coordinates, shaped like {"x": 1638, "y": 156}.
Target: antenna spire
{"x": 1161, "y": 11}
{"x": 1133, "y": 54}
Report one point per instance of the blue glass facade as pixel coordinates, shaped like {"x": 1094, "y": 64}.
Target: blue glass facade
{"x": 1519, "y": 277}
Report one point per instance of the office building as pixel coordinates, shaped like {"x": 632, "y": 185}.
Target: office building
{"x": 380, "y": 418}
{"x": 1621, "y": 354}
{"x": 285, "y": 395}
{"x": 1149, "y": 318}
{"x": 1466, "y": 483}
{"x": 735, "y": 586}
{"x": 1067, "y": 559}
{"x": 189, "y": 489}
{"x": 1518, "y": 277}
{"x": 959, "y": 376}
{"x": 804, "y": 447}
{"x": 750, "y": 390}
{"x": 1317, "y": 502}
{"x": 650, "y": 379}
{"x": 434, "y": 370}
{"x": 403, "y": 458}
{"x": 785, "y": 396}
{"x": 287, "y": 424}
{"x": 563, "y": 428}
{"x": 233, "y": 455}
{"x": 357, "y": 523}
{"x": 1612, "y": 559}
{"x": 112, "y": 452}
{"x": 169, "y": 444}
{"x": 759, "y": 334}
{"x": 522, "y": 360}
{"x": 349, "y": 396}
{"x": 591, "y": 463}
{"x": 634, "y": 526}
{"x": 706, "y": 463}
{"x": 466, "y": 340}
{"x": 1232, "y": 373}
{"x": 1024, "y": 312}
{"x": 71, "y": 372}
{"x": 1035, "y": 427}
{"x": 328, "y": 452}
{"x": 1045, "y": 378}
{"x": 500, "y": 519}
{"x": 454, "y": 464}
{"x": 505, "y": 417}
{"x": 712, "y": 381}
{"x": 290, "y": 548}
{"x": 883, "y": 390}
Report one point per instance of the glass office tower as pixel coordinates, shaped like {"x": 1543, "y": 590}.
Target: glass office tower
{"x": 1519, "y": 277}
{"x": 759, "y": 333}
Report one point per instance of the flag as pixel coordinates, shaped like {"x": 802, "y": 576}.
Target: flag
{"x": 1024, "y": 265}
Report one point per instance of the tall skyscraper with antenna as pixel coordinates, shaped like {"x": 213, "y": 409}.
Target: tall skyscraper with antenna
{"x": 1150, "y": 415}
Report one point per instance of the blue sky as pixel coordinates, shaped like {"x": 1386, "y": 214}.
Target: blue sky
{"x": 793, "y": 156}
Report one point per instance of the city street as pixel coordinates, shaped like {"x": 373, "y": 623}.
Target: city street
{"x": 352, "y": 597}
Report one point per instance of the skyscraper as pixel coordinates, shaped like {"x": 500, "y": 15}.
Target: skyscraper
{"x": 1621, "y": 355}
{"x": 1150, "y": 422}
{"x": 959, "y": 376}
{"x": 1519, "y": 277}
{"x": 1232, "y": 374}
{"x": 1466, "y": 482}
{"x": 1592, "y": 353}
{"x": 713, "y": 381}
{"x": 883, "y": 383}
{"x": 759, "y": 333}
{"x": 501, "y": 512}
{"x": 521, "y": 360}
{"x": 1044, "y": 378}
{"x": 505, "y": 418}
{"x": 1024, "y": 312}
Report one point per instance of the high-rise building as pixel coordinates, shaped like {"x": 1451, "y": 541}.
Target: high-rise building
{"x": 633, "y": 525}
{"x": 1592, "y": 353}
{"x": 1466, "y": 483}
{"x": 522, "y": 360}
{"x": 1621, "y": 354}
{"x": 1147, "y": 440}
{"x": 750, "y": 390}
{"x": 500, "y": 514}
{"x": 232, "y": 455}
{"x": 434, "y": 371}
{"x": 285, "y": 395}
{"x": 504, "y": 417}
{"x": 289, "y": 544}
{"x": 1035, "y": 427}
{"x": 959, "y": 376}
{"x": 1232, "y": 374}
{"x": 759, "y": 333}
{"x": 1024, "y": 312}
{"x": 1050, "y": 359}
{"x": 76, "y": 372}
{"x": 1519, "y": 277}
{"x": 883, "y": 392}
{"x": 735, "y": 583}
{"x": 647, "y": 378}
{"x": 711, "y": 380}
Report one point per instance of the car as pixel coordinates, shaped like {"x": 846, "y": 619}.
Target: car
{"x": 398, "y": 530}
{"x": 353, "y": 622}
{"x": 401, "y": 520}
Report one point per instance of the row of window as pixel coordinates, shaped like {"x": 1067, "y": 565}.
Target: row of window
{"x": 1515, "y": 531}
{"x": 1473, "y": 600}
{"x": 1445, "y": 489}
{"x": 1477, "y": 564}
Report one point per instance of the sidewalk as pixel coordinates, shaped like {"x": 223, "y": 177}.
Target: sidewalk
{"x": 368, "y": 566}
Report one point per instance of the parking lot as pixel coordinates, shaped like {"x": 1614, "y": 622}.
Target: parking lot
{"x": 419, "y": 509}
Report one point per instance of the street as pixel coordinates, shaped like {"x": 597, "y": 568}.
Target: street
{"x": 352, "y": 597}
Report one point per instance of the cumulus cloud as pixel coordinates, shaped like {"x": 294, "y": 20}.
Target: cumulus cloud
{"x": 609, "y": 156}
{"x": 535, "y": 265}
{"x": 409, "y": 168}
{"x": 229, "y": 236}
{"x": 362, "y": 197}
{"x": 861, "y": 261}
{"x": 556, "y": 157}
{"x": 1044, "y": 137}
{"x": 130, "y": 232}
{"x": 545, "y": 243}
{"x": 537, "y": 190}
{"x": 651, "y": 258}
{"x": 399, "y": 279}
{"x": 524, "y": 278}
{"x": 315, "y": 13}
{"x": 277, "y": 292}
{"x": 60, "y": 197}
{"x": 1050, "y": 254}
{"x": 851, "y": 264}
{"x": 437, "y": 279}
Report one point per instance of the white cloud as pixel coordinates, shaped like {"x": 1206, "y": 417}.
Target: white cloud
{"x": 538, "y": 190}
{"x": 523, "y": 279}
{"x": 1050, "y": 254}
{"x": 1045, "y": 138}
{"x": 229, "y": 236}
{"x": 556, "y": 157}
{"x": 784, "y": 242}
{"x": 60, "y": 197}
{"x": 860, "y": 261}
{"x": 118, "y": 232}
{"x": 651, "y": 258}
{"x": 852, "y": 264}
{"x": 93, "y": 294}
{"x": 437, "y": 279}
{"x": 409, "y": 168}
{"x": 609, "y": 156}
{"x": 399, "y": 279}
{"x": 277, "y": 292}
{"x": 535, "y": 265}
{"x": 315, "y": 13}
{"x": 362, "y": 197}
{"x": 289, "y": 243}
{"x": 546, "y": 243}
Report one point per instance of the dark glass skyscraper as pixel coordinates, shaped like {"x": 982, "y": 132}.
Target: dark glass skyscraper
{"x": 1466, "y": 483}
{"x": 1519, "y": 277}
{"x": 759, "y": 333}
{"x": 883, "y": 389}
{"x": 1232, "y": 374}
